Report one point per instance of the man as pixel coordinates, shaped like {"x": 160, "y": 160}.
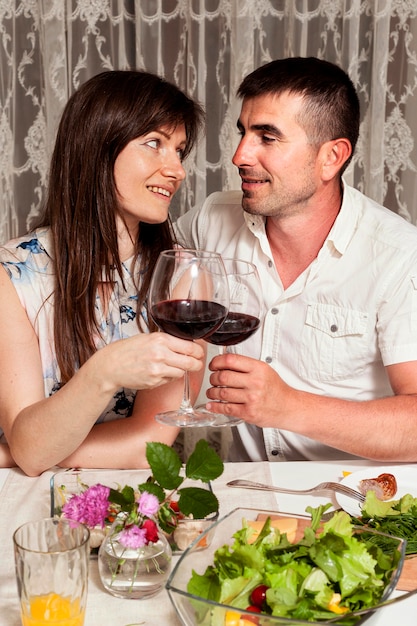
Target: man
{"x": 333, "y": 371}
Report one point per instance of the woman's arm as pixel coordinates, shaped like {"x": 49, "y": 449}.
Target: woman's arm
{"x": 121, "y": 443}
{"x": 6, "y": 459}
{"x": 42, "y": 432}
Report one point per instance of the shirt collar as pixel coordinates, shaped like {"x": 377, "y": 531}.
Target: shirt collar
{"x": 344, "y": 225}
{"x": 255, "y": 223}
{"x": 342, "y": 230}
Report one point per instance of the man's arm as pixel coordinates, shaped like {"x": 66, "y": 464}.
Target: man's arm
{"x": 384, "y": 429}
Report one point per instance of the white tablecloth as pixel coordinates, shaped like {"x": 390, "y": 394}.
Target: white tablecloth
{"x": 23, "y": 498}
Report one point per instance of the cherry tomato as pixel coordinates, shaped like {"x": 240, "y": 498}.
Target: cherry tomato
{"x": 258, "y": 595}
{"x": 249, "y": 618}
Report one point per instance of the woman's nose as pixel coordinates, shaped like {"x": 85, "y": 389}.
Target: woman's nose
{"x": 174, "y": 167}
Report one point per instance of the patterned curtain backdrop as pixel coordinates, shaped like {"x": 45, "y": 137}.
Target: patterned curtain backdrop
{"x": 49, "y": 47}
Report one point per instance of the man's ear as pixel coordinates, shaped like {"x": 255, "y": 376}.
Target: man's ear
{"x": 333, "y": 155}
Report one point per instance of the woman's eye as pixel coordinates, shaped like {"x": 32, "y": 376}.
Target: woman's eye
{"x": 153, "y": 143}
{"x": 180, "y": 153}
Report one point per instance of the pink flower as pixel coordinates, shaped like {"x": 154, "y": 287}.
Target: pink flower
{"x": 90, "y": 507}
{"x": 133, "y": 537}
{"x": 148, "y": 504}
{"x": 151, "y": 531}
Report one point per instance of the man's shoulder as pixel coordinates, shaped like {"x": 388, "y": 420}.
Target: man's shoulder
{"x": 381, "y": 221}
{"x": 219, "y": 217}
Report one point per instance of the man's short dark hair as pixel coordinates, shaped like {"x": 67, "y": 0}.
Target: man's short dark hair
{"x": 331, "y": 109}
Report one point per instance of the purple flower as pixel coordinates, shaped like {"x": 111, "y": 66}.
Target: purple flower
{"x": 90, "y": 507}
{"x": 148, "y": 504}
{"x": 133, "y": 537}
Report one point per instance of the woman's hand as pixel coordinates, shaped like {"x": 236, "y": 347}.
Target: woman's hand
{"x": 146, "y": 361}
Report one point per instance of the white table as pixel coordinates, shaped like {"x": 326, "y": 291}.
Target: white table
{"x": 23, "y": 498}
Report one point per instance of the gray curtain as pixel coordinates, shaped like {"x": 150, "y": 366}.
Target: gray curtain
{"x": 48, "y": 48}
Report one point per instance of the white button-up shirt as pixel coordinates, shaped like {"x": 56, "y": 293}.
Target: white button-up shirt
{"x": 335, "y": 328}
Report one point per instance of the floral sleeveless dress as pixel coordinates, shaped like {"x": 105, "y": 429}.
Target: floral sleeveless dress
{"x": 28, "y": 261}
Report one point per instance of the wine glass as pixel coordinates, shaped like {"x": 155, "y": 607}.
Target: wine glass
{"x": 243, "y": 318}
{"x": 188, "y": 298}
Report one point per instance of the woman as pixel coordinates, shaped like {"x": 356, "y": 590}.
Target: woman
{"x": 75, "y": 348}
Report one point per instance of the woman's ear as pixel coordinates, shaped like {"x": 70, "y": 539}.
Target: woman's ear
{"x": 333, "y": 155}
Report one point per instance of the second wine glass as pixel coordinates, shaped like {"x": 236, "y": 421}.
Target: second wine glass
{"x": 243, "y": 318}
{"x": 188, "y": 298}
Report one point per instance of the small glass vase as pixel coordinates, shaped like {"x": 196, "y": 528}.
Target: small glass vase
{"x": 133, "y": 573}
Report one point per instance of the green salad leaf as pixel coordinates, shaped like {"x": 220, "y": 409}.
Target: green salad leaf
{"x": 393, "y": 517}
{"x": 325, "y": 574}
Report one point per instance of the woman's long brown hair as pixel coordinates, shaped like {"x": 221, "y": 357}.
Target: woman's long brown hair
{"x": 99, "y": 120}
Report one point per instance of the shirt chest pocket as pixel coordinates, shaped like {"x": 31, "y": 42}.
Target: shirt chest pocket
{"x": 334, "y": 342}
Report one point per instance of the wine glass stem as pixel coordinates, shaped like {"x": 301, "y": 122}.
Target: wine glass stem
{"x": 186, "y": 403}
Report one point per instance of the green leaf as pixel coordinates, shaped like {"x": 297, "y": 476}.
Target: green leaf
{"x": 204, "y": 463}
{"x": 153, "y": 488}
{"x": 236, "y": 591}
{"x": 205, "y": 586}
{"x": 316, "y": 514}
{"x": 197, "y": 502}
{"x": 124, "y": 498}
{"x": 165, "y": 464}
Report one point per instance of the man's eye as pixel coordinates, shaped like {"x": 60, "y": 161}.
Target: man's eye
{"x": 268, "y": 138}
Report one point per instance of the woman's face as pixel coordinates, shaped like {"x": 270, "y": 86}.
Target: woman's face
{"x": 148, "y": 172}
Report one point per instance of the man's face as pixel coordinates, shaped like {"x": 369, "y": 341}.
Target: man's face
{"x": 278, "y": 166}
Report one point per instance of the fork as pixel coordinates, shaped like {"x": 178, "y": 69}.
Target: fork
{"x": 329, "y": 486}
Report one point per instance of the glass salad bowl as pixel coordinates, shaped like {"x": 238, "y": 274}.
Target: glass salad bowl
{"x": 200, "y": 600}
{"x": 66, "y": 483}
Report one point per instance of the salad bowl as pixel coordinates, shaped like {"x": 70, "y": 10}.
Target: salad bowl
{"x": 204, "y": 608}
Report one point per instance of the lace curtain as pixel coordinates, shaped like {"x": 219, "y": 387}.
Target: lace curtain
{"x": 49, "y": 47}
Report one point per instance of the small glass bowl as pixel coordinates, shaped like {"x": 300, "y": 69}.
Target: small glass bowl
{"x": 66, "y": 483}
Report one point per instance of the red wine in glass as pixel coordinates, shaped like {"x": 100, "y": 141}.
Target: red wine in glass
{"x": 237, "y": 327}
{"x": 188, "y": 319}
{"x": 243, "y": 318}
{"x": 188, "y": 298}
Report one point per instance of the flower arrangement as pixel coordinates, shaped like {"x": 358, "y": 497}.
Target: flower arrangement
{"x": 158, "y": 503}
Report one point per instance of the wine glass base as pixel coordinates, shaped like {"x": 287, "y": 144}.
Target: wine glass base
{"x": 194, "y": 417}
{"x": 220, "y": 419}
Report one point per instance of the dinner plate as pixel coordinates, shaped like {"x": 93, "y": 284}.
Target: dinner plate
{"x": 405, "y": 475}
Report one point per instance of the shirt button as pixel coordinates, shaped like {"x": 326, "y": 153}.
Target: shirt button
{"x": 268, "y": 359}
{"x": 333, "y": 328}
{"x": 269, "y": 263}
{"x": 274, "y": 311}
{"x": 274, "y": 452}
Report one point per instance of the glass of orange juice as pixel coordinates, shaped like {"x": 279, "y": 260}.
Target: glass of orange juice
{"x": 52, "y": 557}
